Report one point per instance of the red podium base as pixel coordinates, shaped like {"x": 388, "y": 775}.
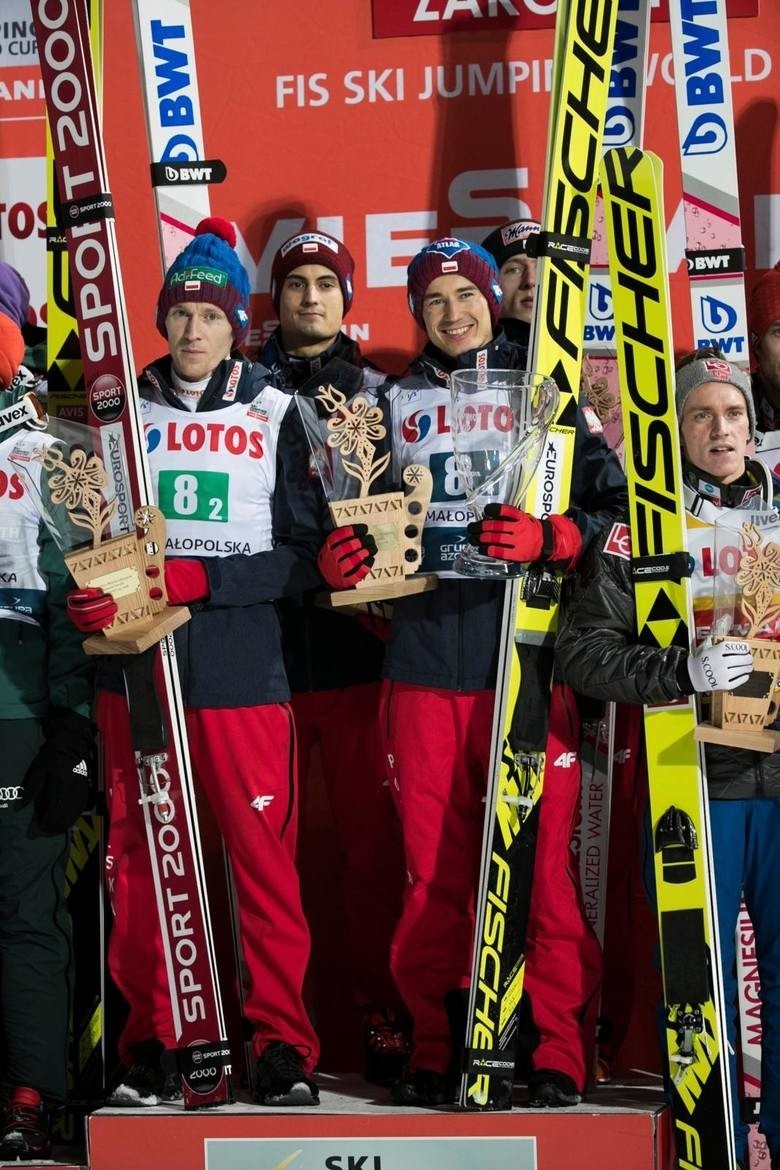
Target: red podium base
{"x": 624, "y": 1126}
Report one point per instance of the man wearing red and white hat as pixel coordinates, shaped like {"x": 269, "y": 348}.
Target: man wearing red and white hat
{"x": 334, "y": 659}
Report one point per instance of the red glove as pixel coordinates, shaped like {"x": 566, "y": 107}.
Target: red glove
{"x": 90, "y": 610}
{"x": 185, "y": 581}
{"x": 512, "y": 535}
{"x": 346, "y": 556}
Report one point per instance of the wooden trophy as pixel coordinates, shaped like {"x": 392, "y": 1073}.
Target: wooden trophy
{"x": 130, "y": 567}
{"x": 741, "y": 718}
{"x": 394, "y": 519}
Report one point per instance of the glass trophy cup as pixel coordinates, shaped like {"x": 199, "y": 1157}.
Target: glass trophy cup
{"x": 78, "y": 477}
{"x": 348, "y": 441}
{"x": 499, "y": 419}
{"x": 745, "y": 571}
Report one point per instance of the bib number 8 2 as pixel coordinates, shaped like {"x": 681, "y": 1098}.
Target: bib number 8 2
{"x": 194, "y": 495}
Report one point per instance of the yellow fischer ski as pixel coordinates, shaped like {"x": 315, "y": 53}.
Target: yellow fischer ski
{"x": 584, "y": 39}
{"x": 693, "y": 995}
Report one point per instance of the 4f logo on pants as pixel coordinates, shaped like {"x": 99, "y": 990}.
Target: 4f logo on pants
{"x": 261, "y": 803}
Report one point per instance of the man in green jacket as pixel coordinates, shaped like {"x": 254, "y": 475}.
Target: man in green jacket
{"x": 47, "y": 753}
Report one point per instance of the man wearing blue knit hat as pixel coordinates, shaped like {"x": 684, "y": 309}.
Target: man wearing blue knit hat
{"x": 229, "y": 463}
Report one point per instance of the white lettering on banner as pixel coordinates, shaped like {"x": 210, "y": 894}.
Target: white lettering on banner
{"x": 432, "y": 10}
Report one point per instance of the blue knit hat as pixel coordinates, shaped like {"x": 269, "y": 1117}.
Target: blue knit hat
{"x": 445, "y": 257}
{"x": 209, "y": 270}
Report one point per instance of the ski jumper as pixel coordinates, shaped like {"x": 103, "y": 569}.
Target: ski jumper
{"x": 232, "y": 481}
{"x": 440, "y": 672}
{"x": 597, "y": 655}
{"x": 43, "y": 667}
{"x": 334, "y": 664}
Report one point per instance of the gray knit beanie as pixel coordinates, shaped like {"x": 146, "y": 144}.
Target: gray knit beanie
{"x": 713, "y": 369}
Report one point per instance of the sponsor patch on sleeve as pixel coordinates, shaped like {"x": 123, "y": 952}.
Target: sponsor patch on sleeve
{"x": 592, "y": 421}
{"x": 618, "y": 543}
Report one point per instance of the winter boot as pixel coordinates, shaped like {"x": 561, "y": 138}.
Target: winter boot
{"x": 550, "y": 1089}
{"x": 25, "y": 1136}
{"x": 386, "y": 1047}
{"x": 152, "y": 1079}
{"x": 281, "y": 1080}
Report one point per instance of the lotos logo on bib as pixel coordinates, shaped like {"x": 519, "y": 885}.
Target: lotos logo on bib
{"x": 213, "y": 436}
{"x": 153, "y": 437}
{"x": 618, "y": 543}
{"x": 416, "y": 426}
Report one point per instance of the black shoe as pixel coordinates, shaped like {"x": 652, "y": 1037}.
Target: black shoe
{"x": 550, "y": 1089}
{"x": 25, "y": 1135}
{"x": 386, "y": 1047}
{"x": 421, "y": 1086}
{"x": 152, "y": 1079}
{"x": 281, "y": 1080}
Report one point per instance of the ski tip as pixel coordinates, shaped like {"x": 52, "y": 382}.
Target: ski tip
{"x": 216, "y": 226}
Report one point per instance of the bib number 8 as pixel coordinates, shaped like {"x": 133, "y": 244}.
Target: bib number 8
{"x": 194, "y": 495}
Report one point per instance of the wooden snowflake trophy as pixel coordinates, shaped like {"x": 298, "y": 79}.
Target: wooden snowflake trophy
{"x": 129, "y": 567}
{"x": 741, "y": 718}
{"x": 394, "y": 519}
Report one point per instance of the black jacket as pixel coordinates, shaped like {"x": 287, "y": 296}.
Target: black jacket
{"x": 230, "y": 652}
{"x": 448, "y": 638}
{"x": 597, "y": 653}
{"x": 326, "y": 649}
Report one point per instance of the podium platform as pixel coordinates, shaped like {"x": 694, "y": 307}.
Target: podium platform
{"x": 622, "y": 1126}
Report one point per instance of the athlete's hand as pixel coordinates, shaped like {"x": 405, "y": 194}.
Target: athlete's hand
{"x": 347, "y": 555}
{"x": 186, "y": 580}
{"x": 90, "y": 610}
{"x": 721, "y": 667}
{"x": 510, "y": 534}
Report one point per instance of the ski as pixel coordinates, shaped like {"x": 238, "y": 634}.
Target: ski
{"x": 716, "y": 261}
{"x": 584, "y": 38}
{"x": 158, "y": 725}
{"x": 87, "y": 1046}
{"x": 180, "y": 177}
{"x": 690, "y": 961}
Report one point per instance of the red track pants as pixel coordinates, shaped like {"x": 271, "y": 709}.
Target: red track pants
{"x": 238, "y": 756}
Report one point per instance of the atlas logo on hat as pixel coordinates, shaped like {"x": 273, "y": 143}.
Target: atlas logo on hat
{"x": 312, "y": 248}
{"x": 447, "y": 256}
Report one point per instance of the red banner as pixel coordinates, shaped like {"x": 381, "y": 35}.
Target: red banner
{"x": 417, "y": 18}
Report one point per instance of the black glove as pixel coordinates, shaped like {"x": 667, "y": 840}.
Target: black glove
{"x": 61, "y": 778}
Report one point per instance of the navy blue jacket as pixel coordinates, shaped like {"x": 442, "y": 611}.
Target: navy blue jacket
{"x": 326, "y": 649}
{"x": 448, "y": 638}
{"x": 230, "y": 652}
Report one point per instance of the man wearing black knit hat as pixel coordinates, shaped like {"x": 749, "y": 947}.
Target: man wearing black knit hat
{"x": 511, "y": 248}
{"x": 229, "y": 463}
{"x": 334, "y": 659}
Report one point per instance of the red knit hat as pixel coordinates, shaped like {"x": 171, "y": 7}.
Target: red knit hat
{"x": 764, "y": 304}
{"x": 445, "y": 257}
{"x": 313, "y": 248}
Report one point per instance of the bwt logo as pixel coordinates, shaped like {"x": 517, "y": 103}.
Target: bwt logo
{"x": 416, "y": 426}
{"x": 600, "y": 296}
{"x": 717, "y": 316}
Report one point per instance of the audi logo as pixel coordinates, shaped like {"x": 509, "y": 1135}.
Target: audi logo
{"x": 12, "y": 792}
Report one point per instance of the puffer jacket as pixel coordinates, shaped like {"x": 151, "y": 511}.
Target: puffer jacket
{"x": 598, "y": 655}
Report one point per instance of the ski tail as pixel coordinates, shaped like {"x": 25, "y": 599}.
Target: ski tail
{"x": 583, "y": 39}
{"x": 693, "y": 994}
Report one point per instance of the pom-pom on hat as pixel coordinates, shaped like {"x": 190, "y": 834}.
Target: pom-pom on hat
{"x": 313, "y": 248}
{"x": 445, "y": 257}
{"x": 764, "y": 304}
{"x": 511, "y": 239}
{"x": 209, "y": 270}
{"x": 712, "y": 369}
{"x": 14, "y": 294}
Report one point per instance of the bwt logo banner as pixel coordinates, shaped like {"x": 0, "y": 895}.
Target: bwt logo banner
{"x": 720, "y": 320}
{"x": 599, "y": 320}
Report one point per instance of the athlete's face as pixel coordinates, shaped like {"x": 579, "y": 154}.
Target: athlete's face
{"x": 199, "y": 338}
{"x": 715, "y": 430}
{"x": 518, "y": 284}
{"x": 768, "y": 353}
{"x": 456, "y": 315}
{"x": 311, "y": 309}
